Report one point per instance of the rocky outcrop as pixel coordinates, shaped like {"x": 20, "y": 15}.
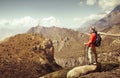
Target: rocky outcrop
{"x": 82, "y": 70}
{"x": 57, "y": 74}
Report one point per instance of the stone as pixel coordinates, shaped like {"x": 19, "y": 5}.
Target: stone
{"x": 81, "y": 70}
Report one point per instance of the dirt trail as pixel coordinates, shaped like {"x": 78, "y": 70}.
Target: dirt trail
{"x": 115, "y": 35}
{"x": 106, "y": 34}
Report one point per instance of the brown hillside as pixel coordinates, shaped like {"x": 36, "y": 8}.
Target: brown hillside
{"x": 20, "y": 59}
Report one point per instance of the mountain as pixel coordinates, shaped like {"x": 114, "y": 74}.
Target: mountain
{"x": 26, "y": 56}
{"x": 70, "y": 51}
{"x": 69, "y": 48}
{"x": 68, "y": 43}
{"x": 61, "y": 37}
{"x": 109, "y": 20}
{"x": 108, "y": 56}
{"x": 39, "y": 51}
{"x": 115, "y": 29}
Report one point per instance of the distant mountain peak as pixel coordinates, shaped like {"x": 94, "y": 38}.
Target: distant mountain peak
{"x": 39, "y": 27}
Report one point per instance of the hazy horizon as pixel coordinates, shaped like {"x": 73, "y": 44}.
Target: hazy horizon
{"x": 18, "y": 16}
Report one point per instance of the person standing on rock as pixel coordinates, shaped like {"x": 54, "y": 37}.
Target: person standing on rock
{"x": 91, "y": 48}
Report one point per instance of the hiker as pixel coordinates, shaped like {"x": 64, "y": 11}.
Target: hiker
{"x": 91, "y": 48}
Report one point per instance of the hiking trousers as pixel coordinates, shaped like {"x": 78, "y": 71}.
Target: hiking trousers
{"x": 90, "y": 51}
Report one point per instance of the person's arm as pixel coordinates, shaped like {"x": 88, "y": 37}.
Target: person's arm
{"x": 92, "y": 37}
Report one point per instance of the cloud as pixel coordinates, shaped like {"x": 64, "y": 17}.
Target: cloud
{"x": 90, "y": 2}
{"x": 87, "y": 2}
{"x": 92, "y": 18}
{"x": 103, "y": 4}
{"x": 81, "y": 3}
{"x": 21, "y": 25}
{"x": 108, "y": 4}
{"x": 50, "y": 21}
{"x": 11, "y": 27}
{"x": 26, "y": 21}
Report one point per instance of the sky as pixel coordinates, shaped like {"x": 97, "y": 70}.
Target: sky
{"x": 18, "y": 16}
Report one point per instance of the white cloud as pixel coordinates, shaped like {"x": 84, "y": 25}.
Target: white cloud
{"x": 14, "y": 26}
{"x": 28, "y": 21}
{"x": 87, "y": 2}
{"x": 50, "y": 21}
{"x": 93, "y": 17}
{"x": 103, "y": 4}
{"x": 21, "y": 22}
{"x": 21, "y": 25}
{"x": 90, "y": 2}
{"x": 108, "y": 4}
{"x": 81, "y": 3}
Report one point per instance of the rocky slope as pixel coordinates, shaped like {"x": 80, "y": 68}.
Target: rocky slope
{"x": 26, "y": 56}
{"x": 68, "y": 43}
{"x": 32, "y": 55}
{"x": 69, "y": 48}
{"x": 108, "y": 56}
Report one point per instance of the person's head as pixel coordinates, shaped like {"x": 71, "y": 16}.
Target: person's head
{"x": 92, "y": 29}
